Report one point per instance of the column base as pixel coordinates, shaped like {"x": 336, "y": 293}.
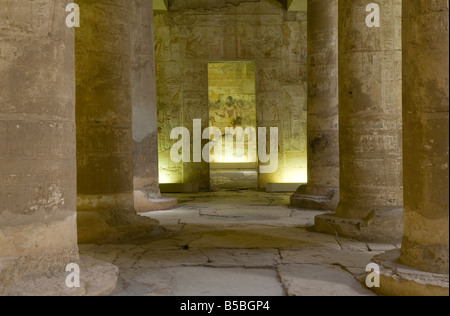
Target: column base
{"x": 144, "y": 203}
{"x": 111, "y": 219}
{"x": 97, "y": 278}
{"x": 400, "y": 280}
{"x": 37, "y": 248}
{"x": 429, "y": 258}
{"x": 114, "y": 227}
{"x": 328, "y": 201}
{"x": 385, "y": 227}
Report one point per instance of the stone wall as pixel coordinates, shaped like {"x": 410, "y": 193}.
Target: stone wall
{"x": 264, "y": 33}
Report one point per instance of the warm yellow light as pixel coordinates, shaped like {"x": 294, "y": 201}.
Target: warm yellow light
{"x": 232, "y": 159}
{"x": 166, "y": 177}
{"x": 297, "y": 175}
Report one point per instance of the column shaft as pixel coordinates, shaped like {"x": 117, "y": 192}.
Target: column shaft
{"x": 147, "y": 196}
{"x": 104, "y": 125}
{"x": 321, "y": 192}
{"x": 421, "y": 267}
{"x": 426, "y": 135}
{"x": 37, "y": 141}
{"x": 370, "y": 123}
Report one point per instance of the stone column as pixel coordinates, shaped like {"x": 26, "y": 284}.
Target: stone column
{"x": 321, "y": 192}
{"x": 425, "y": 247}
{"x": 426, "y": 130}
{"x": 38, "y": 233}
{"x": 147, "y": 196}
{"x": 104, "y": 125}
{"x": 370, "y": 123}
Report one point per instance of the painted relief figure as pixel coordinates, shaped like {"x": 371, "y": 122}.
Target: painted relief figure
{"x": 227, "y": 113}
{"x": 232, "y": 100}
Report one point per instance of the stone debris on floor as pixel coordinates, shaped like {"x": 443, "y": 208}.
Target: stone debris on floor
{"x": 239, "y": 243}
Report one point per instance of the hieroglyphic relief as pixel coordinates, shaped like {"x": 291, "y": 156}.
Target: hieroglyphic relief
{"x": 269, "y": 105}
{"x": 195, "y": 76}
{"x": 170, "y": 109}
{"x": 294, "y": 118}
{"x": 269, "y": 76}
{"x": 162, "y": 44}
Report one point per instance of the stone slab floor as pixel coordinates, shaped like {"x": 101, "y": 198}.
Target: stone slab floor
{"x": 239, "y": 243}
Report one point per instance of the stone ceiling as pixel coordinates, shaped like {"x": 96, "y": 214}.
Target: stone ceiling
{"x": 203, "y": 4}
{"x": 294, "y": 5}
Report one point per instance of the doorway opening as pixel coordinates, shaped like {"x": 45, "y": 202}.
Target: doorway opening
{"x": 232, "y": 110}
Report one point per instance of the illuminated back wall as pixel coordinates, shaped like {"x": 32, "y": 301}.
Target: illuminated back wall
{"x": 258, "y": 32}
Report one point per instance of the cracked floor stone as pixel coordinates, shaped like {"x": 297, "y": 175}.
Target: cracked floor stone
{"x": 319, "y": 280}
{"x": 245, "y": 243}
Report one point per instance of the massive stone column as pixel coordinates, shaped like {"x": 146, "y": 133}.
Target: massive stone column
{"x": 321, "y": 192}
{"x": 38, "y": 220}
{"x": 147, "y": 196}
{"x": 426, "y": 129}
{"x": 425, "y": 247}
{"x": 370, "y": 123}
{"x": 104, "y": 125}
{"x": 38, "y": 231}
